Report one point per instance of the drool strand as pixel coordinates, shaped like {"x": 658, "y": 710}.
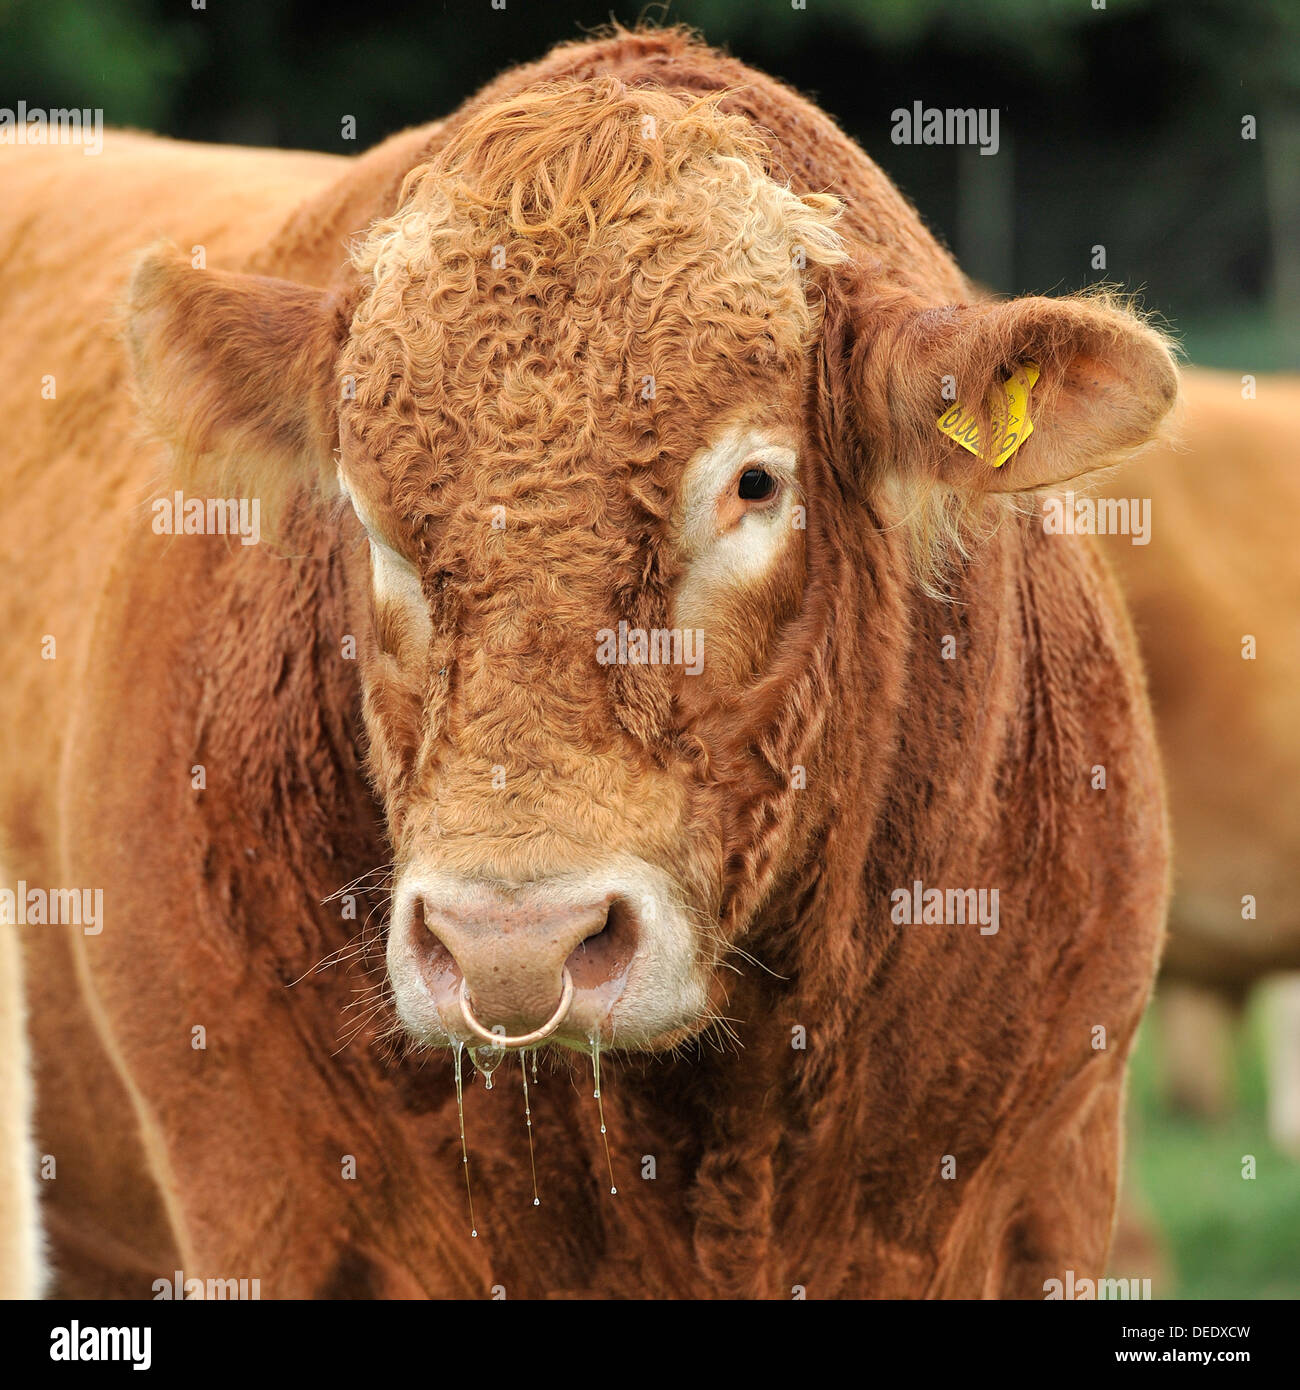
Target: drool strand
{"x": 600, "y": 1107}
{"x": 528, "y": 1120}
{"x": 464, "y": 1152}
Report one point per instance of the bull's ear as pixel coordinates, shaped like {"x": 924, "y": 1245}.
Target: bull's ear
{"x": 236, "y": 373}
{"x": 1102, "y": 381}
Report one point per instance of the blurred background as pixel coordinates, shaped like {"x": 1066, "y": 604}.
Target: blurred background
{"x": 1122, "y": 126}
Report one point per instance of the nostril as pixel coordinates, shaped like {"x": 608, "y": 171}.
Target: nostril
{"x": 607, "y": 951}
{"x": 436, "y": 955}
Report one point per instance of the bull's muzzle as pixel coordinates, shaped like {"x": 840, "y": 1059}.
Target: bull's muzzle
{"x": 512, "y": 968}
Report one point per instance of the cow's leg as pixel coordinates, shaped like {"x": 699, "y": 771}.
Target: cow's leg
{"x": 22, "y": 1266}
{"x": 1196, "y": 1028}
{"x": 1284, "y": 1063}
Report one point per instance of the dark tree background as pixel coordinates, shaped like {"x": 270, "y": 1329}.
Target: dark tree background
{"x": 1120, "y": 126}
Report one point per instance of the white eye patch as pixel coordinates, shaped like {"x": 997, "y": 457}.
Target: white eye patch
{"x": 746, "y": 551}
{"x": 394, "y": 580}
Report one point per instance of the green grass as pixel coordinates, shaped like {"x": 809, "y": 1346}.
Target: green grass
{"x": 1222, "y": 1236}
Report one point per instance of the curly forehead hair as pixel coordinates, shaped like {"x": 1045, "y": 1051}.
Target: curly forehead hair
{"x": 567, "y": 243}
{"x": 566, "y": 160}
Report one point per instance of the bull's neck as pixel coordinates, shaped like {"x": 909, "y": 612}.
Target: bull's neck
{"x": 821, "y": 1116}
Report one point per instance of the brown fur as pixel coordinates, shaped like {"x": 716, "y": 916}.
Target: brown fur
{"x": 1221, "y": 565}
{"x": 776, "y": 1167}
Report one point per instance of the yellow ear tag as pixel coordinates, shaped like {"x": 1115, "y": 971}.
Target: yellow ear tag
{"x": 1009, "y": 405}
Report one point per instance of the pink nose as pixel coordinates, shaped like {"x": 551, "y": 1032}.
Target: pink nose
{"x": 512, "y": 951}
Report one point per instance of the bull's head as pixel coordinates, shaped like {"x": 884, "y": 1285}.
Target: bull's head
{"x": 587, "y": 399}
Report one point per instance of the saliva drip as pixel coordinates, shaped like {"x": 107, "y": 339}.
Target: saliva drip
{"x": 487, "y": 1060}
{"x": 528, "y": 1120}
{"x": 600, "y": 1108}
{"x": 464, "y": 1152}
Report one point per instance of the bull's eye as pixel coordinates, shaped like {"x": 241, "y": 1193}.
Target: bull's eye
{"x": 756, "y": 485}
{"x": 738, "y": 491}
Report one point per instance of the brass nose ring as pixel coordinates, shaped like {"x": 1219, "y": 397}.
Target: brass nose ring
{"x": 520, "y": 1039}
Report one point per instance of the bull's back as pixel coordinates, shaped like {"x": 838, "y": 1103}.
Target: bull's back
{"x": 1222, "y": 567}
{"x": 74, "y": 473}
